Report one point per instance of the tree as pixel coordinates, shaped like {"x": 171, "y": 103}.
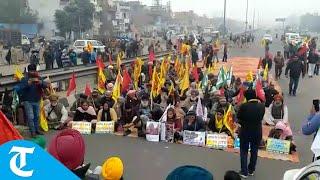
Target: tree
{"x": 15, "y": 11}
{"x": 62, "y": 21}
{"x": 77, "y": 17}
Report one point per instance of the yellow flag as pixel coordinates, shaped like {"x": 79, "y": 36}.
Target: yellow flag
{"x": 101, "y": 81}
{"x": 155, "y": 84}
{"x": 185, "y": 82}
{"x": 171, "y": 89}
{"x": 116, "y": 92}
{"x": 265, "y": 72}
{"x": 137, "y": 72}
{"x": 18, "y": 75}
{"x": 228, "y": 121}
{"x": 42, "y": 118}
{"x": 249, "y": 77}
{"x": 177, "y": 65}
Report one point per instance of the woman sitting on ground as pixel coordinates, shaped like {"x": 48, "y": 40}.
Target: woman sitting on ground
{"x": 85, "y": 113}
{"x": 107, "y": 113}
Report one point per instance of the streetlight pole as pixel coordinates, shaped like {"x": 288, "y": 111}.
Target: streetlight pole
{"x": 245, "y": 33}
{"x": 224, "y": 18}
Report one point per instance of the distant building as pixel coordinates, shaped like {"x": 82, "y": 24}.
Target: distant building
{"x": 121, "y": 18}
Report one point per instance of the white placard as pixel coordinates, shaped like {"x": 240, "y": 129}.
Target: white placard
{"x": 153, "y": 133}
{"x": 194, "y": 138}
{"x": 82, "y": 127}
{"x": 104, "y": 127}
{"x": 217, "y": 141}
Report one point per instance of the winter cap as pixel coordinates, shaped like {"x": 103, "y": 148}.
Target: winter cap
{"x": 68, "y": 147}
{"x": 112, "y": 169}
{"x": 190, "y": 173}
{"x": 191, "y": 113}
{"x": 32, "y": 67}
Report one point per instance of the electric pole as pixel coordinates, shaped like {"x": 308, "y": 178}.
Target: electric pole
{"x": 224, "y": 18}
{"x": 245, "y": 33}
{"x": 254, "y": 16}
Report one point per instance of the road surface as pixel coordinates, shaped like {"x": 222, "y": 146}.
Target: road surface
{"x": 153, "y": 161}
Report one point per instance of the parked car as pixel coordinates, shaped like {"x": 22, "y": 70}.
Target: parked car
{"x": 310, "y": 172}
{"x": 293, "y": 37}
{"x": 268, "y": 37}
{"x": 78, "y": 45}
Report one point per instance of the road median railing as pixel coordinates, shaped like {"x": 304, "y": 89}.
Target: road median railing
{"x": 57, "y": 75}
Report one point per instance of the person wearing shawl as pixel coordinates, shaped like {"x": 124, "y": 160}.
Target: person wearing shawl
{"x": 277, "y": 111}
{"x": 85, "y": 113}
{"x": 107, "y": 113}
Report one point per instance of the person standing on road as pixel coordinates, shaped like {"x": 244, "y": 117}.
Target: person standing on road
{"x": 279, "y": 63}
{"x": 225, "y": 52}
{"x": 48, "y": 58}
{"x": 30, "y": 90}
{"x": 267, "y": 60}
{"x": 312, "y": 60}
{"x": 286, "y": 50}
{"x": 296, "y": 67}
{"x": 250, "y": 117}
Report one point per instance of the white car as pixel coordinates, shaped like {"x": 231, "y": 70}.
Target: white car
{"x": 310, "y": 172}
{"x": 78, "y": 45}
{"x": 267, "y": 37}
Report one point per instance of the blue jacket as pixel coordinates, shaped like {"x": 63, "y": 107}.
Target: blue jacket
{"x": 31, "y": 93}
{"x": 312, "y": 125}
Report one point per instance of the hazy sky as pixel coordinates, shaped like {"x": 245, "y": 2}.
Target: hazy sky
{"x": 268, "y": 10}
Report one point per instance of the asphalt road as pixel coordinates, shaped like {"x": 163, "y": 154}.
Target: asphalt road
{"x": 153, "y": 161}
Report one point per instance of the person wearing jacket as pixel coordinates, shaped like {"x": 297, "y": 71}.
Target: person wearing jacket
{"x": 55, "y": 113}
{"x": 277, "y": 111}
{"x": 296, "y": 68}
{"x": 30, "y": 90}
{"x": 279, "y": 63}
{"x": 250, "y": 116}
{"x": 193, "y": 123}
{"x": 312, "y": 60}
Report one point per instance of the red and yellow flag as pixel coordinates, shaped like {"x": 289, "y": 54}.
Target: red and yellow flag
{"x": 228, "y": 121}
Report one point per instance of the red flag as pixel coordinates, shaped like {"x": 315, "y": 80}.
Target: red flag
{"x": 8, "y": 132}
{"x": 302, "y": 50}
{"x": 110, "y": 59}
{"x": 87, "y": 90}
{"x": 240, "y": 97}
{"x": 72, "y": 84}
{"x": 195, "y": 73}
{"x": 150, "y": 71}
{"x": 259, "y": 91}
{"x": 126, "y": 81}
{"x": 100, "y": 64}
{"x": 151, "y": 56}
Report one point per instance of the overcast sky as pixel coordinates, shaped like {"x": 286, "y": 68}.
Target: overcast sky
{"x": 268, "y": 10}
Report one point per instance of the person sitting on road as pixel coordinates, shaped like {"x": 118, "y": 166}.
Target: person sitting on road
{"x": 77, "y": 103}
{"x": 85, "y": 113}
{"x": 277, "y": 111}
{"x": 193, "y": 123}
{"x": 177, "y": 124}
{"x": 107, "y": 113}
{"x": 55, "y": 113}
{"x": 216, "y": 123}
{"x": 129, "y": 119}
{"x": 107, "y": 98}
{"x": 94, "y": 100}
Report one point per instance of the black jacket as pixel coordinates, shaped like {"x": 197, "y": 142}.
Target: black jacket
{"x": 250, "y": 116}
{"x": 265, "y": 61}
{"x": 198, "y": 125}
{"x": 296, "y": 67}
{"x": 313, "y": 58}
